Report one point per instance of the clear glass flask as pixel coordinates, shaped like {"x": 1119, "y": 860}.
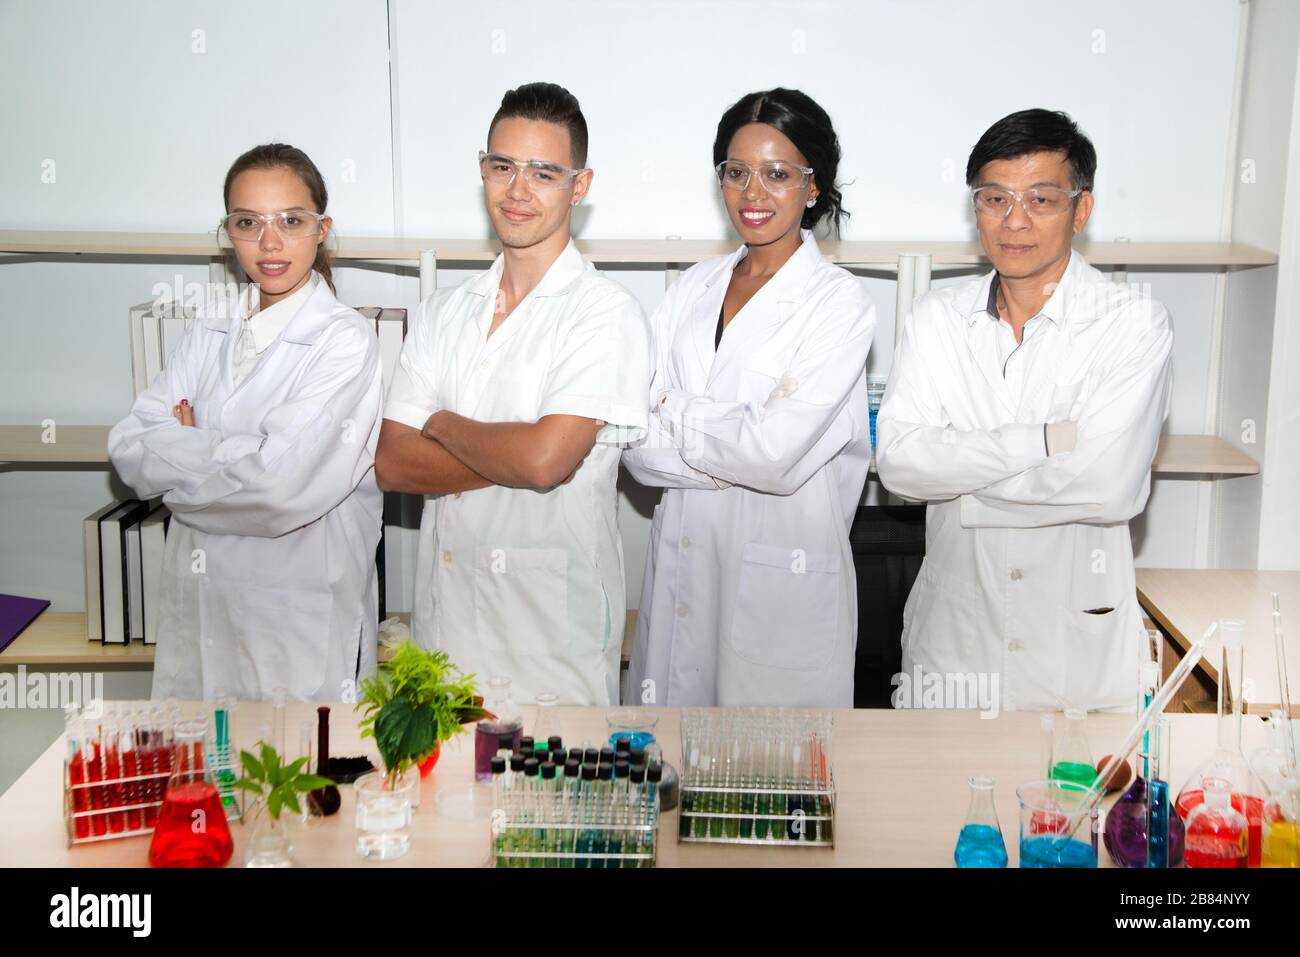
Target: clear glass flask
{"x": 980, "y": 842}
{"x": 1227, "y": 763}
{"x": 1281, "y": 826}
{"x": 500, "y": 702}
{"x": 191, "y": 830}
{"x": 1217, "y": 833}
{"x": 1072, "y": 758}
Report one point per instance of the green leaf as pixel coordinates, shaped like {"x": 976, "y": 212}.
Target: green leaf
{"x": 405, "y": 732}
{"x": 273, "y": 803}
{"x": 311, "y": 782}
{"x": 292, "y": 770}
{"x": 252, "y": 767}
{"x": 249, "y": 785}
{"x": 291, "y": 802}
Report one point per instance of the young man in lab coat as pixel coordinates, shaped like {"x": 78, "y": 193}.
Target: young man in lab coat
{"x": 1025, "y": 407}
{"x": 512, "y": 397}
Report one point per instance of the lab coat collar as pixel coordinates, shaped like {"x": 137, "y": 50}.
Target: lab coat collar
{"x": 266, "y": 324}
{"x": 311, "y": 314}
{"x": 983, "y": 305}
{"x": 559, "y": 276}
{"x": 769, "y": 307}
{"x": 787, "y": 285}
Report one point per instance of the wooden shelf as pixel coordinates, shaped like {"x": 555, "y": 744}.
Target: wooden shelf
{"x": 59, "y": 638}
{"x": 73, "y": 443}
{"x": 639, "y": 251}
{"x": 1201, "y": 455}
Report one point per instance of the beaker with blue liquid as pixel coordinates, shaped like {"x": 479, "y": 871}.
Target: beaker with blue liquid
{"x": 1057, "y": 829}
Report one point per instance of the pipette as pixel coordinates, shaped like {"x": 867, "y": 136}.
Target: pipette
{"x": 1283, "y": 684}
{"x": 1092, "y": 798}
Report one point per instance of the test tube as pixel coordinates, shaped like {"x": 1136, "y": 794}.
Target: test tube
{"x": 73, "y": 729}
{"x": 279, "y": 698}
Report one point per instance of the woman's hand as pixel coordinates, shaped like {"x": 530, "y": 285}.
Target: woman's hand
{"x": 184, "y": 412}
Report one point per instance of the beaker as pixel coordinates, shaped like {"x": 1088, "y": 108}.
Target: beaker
{"x": 545, "y": 725}
{"x": 635, "y": 725}
{"x": 980, "y": 842}
{"x": 1227, "y": 762}
{"x": 384, "y": 814}
{"x": 499, "y": 702}
{"x": 1049, "y": 811}
{"x": 191, "y": 830}
{"x": 1072, "y": 758}
{"x": 1216, "y": 831}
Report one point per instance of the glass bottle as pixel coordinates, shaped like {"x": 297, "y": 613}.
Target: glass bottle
{"x": 980, "y": 842}
{"x": 487, "y": 733}
{"x": 1216, "y": 831}
{"x": 1072, "y": 761}
{"x": 1227, "y": 762}
{"x": 191, "y": 830}
{"x": 1281, "y": 826}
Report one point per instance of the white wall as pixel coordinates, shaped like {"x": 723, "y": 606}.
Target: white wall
{"x": 141, "y": 129}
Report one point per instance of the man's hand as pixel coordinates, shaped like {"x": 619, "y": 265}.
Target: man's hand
{"x": 184, "y": 412}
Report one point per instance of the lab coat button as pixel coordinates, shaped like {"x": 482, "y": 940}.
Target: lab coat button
{"x": 1013, "y": 646}
{"x": 1016, "y": 575}
{"x": 682, "y": 611}
{"x": 686, "y": 541}
{"x": 483, "y": 364}
{"x": 446, "y": 557}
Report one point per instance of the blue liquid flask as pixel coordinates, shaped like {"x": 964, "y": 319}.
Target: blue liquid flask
{"x": 980, "y": 842}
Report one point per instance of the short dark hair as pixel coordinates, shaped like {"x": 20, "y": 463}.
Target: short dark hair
{"x": 1035, "y": 131}
{"x": 551, "y": 103}
{"x": 797, "y": 116}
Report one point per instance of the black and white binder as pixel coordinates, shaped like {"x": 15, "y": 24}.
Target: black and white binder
{"x": 114, "y": 581}
{"x": 153, "y": 543}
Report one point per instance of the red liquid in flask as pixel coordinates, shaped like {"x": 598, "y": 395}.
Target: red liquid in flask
{"x": 1251, "y": 808}
{"x": 191, "y": 830}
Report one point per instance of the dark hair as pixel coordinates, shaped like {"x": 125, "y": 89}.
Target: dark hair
{"x": 283, "y": 156}
{"x": 808, "y": 127}
{"x": 1035, "y": 131}
{"x": 550, "y": 103}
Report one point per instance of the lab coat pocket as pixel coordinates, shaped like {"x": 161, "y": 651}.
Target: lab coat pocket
{"x": 787, "y": 607}
{"x": 1067, "y": 401}
{"x": 518, "y": 391}
{"x": 266, "y": 638}
{"x": 521, "y": 600}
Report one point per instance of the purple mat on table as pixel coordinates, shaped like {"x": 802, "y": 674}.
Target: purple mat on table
{"x": 16, "y": 613}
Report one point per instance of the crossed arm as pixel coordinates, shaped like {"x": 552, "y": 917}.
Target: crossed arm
{"x": 453, "y": 453}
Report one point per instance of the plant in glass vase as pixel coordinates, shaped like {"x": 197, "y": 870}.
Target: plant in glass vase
{"x": 417, "y": 700}
{"x": 276, "y": 786}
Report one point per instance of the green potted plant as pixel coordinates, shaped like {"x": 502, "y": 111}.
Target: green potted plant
{"x": 276, "y": 786}
{"x": 417, "y": 700}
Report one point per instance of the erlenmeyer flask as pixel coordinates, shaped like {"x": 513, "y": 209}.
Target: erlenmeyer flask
{"x": 1227, "y": 763}
{"x": 1216, "y": 831}
{"x": 1072, "y": 761}
{"x": 191, "y": 830}
{"x": 980, "y": 842}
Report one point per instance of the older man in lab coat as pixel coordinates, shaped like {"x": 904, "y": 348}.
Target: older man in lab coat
{"x": 1025, "y": 407}
{"x": 513, "y": 395}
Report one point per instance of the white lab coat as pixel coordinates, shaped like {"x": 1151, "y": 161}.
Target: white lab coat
{"x": 269, "y": 577}
{"x": 1020, "y": 546}
{"x": 762, "y": 449}
{"x": 513, "y": 581}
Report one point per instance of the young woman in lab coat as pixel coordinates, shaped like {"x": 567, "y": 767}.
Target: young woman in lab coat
{"x": 260, "y": 435}
{"x": 759, "y": 437}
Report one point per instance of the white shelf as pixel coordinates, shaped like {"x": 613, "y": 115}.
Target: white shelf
{"x": 631, "y": 251}
{"x": 1201, "y": 455}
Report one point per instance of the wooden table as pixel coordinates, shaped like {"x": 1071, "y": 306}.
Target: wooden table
{"x": 1185, "y": 601}
{"x": 900, "y": 778}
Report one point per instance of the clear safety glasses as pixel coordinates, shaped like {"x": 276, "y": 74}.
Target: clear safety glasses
{"x": 775, "y": 176}
{"x": 502, "y": 170}
{"x": 1041, "y": 201}
{"x": 246, "y": 227}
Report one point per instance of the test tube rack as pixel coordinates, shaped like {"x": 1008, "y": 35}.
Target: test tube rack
{"x": 552, "y": 830}
{"x": 757, "y": 776}
{"x": 102, "y": 806}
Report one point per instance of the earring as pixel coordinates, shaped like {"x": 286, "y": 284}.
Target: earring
{"x": 811, "y": 203}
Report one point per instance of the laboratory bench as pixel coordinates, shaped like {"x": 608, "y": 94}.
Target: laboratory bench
{"x": 900, "y": 779}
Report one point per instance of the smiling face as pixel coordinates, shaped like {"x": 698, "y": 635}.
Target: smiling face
{"x": 758, "y": 215}
{"x": 523, "y": 215}
{"x": 1019, "y": 245}
{"x": 280, "y": 266}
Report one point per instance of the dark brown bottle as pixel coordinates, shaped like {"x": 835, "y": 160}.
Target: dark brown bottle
{"x": 326, "y": 800}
